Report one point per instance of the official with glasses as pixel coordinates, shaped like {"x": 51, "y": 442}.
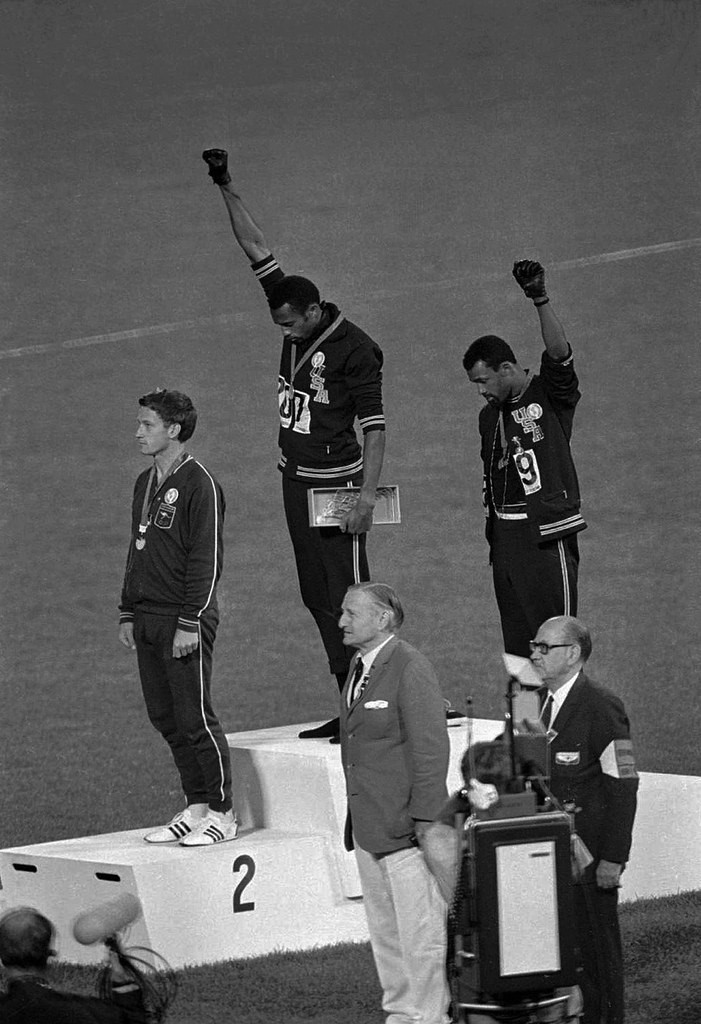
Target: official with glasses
{"x": 593, "y": 774}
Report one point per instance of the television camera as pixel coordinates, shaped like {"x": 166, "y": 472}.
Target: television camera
{"x": 514, "y": 946}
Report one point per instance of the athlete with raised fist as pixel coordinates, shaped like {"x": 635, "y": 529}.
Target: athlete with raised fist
{"x": 531, "y": 493}
{"x": 330, "y": 376}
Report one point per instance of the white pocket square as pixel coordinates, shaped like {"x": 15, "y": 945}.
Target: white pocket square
{"x": 372, "y": 705}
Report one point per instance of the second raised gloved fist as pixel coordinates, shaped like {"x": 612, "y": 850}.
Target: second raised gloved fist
{"x": 530, "y": 276}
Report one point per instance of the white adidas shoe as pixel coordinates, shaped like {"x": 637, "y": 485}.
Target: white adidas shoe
{"x": 180, "y": 826}
{"x": 216, "y": 827}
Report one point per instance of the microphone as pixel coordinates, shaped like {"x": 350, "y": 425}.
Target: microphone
{"x": 98, "y": 924}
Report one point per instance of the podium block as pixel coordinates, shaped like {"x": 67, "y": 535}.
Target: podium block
{"x": 287, "y": 882}
{"x": 263, "y": 892}
{"x": 664, "y": 858}
{"x": 293, "y": 785}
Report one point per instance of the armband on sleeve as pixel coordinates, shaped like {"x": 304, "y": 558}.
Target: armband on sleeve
{"x": 617, "y": 760}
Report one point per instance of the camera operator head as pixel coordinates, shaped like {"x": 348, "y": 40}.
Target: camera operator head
{"x": 26, "y": 939}
{"x": 489, "y": 763}
{"x": 487, "y": 772}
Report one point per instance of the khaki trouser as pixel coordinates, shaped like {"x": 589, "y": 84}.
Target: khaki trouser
{"x": 407, "y": 923}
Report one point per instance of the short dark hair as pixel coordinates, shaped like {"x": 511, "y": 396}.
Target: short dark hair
{"x": 297, "y": 292}
{"x": 490, "y": 762}
{"x": 489, "y": 349}
{"x": 172, "y": 407}
{"x": 25, "y": 938}
{"x": 384, "y": 597}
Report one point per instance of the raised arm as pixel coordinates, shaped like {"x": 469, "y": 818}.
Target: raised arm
{"x": 247, "y": 233}
{"x": 530, "y": 277}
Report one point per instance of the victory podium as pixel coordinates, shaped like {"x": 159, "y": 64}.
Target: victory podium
{"x": 265, "y": 891}
{"x": 287, "y": 882}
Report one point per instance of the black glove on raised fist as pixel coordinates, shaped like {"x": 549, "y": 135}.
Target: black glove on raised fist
{"x": 216, "y": 160}
{"x": 531, "y": 277}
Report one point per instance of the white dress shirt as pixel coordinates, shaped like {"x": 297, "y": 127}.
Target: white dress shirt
{"x": 559, "y": 696}
{"x": 367, "y": 662}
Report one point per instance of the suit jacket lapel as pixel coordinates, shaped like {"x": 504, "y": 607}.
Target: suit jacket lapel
{"x": 344, "y": 692}
{"x": 376, "y": 669}
{"x": 572, "y": 701}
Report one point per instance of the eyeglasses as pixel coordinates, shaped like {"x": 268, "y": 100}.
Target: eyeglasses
{"x": 541, "y": 648}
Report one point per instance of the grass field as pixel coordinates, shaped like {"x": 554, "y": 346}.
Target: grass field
{"x": 402, "y": 154}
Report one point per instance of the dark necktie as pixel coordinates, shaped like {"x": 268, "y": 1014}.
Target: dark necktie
{"x": 546, "y": 714}
{"x": 356, "y": 686}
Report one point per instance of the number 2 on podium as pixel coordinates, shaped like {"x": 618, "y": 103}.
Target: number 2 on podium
{"x": 248, "y": 866}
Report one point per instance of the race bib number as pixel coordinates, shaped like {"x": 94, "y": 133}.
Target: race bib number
{"x": 527, "y": 468}
{"x": 294, "y": 408}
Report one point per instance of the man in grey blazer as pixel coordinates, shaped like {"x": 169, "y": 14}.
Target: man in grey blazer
{"x": 395, "y": 752}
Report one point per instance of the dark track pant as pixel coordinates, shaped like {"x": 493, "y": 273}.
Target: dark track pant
{"x": 531, "y": 582}
{"x": 177, "y": 696}
{"x": 328, "y": 562}
{"x": 596, "y": 912}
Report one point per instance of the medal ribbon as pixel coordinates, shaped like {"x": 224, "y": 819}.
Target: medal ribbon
{"x": 295, "y": 365}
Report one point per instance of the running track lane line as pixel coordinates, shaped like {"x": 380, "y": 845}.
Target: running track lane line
{"x": 224, "y": 319}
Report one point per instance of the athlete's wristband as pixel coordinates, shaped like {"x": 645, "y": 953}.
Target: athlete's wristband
{"x": 541, "y": 302}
